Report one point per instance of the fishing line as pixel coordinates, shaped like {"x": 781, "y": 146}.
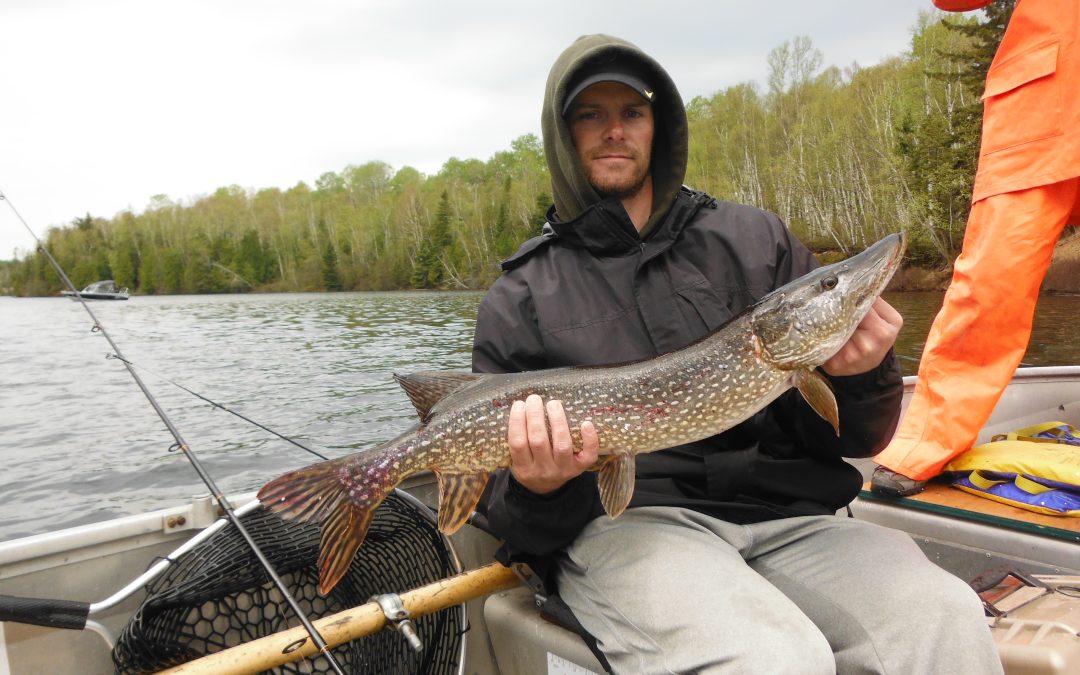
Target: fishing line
{"x": 476, "y": 519}
{"x": 217, "y": 405}
{"x": 182, "y": 445}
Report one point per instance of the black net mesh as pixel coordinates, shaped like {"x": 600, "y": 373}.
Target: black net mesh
{"x": 218, "y": 595}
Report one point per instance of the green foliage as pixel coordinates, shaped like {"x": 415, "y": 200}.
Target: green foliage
{"x": 331, "y": 277}
{"x": 7, "y": 277}
{"x": 429, "y": 268}
{"x": 843, "y": 156}
{"x": 938, "y": 134}
{"x": 83, "y": 223}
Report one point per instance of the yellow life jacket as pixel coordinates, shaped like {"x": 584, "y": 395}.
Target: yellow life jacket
{"x": 1035, "y": 468}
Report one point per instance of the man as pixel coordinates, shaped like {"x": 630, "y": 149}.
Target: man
{"x": 729, "y": 557}
{"x": 1026, "y": 191}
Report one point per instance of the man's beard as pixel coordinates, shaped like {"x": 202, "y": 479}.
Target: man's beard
{"x": 619, "y": 188}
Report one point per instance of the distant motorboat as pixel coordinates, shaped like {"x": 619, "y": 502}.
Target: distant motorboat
{"x": 99, "y": 290}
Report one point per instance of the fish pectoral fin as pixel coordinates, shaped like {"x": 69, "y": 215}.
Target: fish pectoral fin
{"x": 616, "y": 482}
{"x": 426, "y": 388}
{"x": 458, "y": 495}
{"x": 819, "y": 394}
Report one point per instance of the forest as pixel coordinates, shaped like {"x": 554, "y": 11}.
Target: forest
{"x": 843, "y": 155}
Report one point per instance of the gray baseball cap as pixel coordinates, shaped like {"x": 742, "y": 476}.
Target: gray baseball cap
{"x": 623, "y": 73}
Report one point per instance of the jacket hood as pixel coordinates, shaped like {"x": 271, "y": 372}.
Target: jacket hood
{"x": 570, "y": 189}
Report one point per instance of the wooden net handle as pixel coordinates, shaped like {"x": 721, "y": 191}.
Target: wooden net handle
{"x": 295, "y": 644}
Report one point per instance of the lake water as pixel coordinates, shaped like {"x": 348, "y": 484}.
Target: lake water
{"x": 81, "y": 444}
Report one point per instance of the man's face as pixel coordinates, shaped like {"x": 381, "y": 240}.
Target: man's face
{"x": 612, "y": 127}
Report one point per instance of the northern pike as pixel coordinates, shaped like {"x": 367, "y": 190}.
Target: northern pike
{"x": 679, "y": 397}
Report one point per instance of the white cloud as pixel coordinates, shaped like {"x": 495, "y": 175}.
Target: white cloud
{"x": 104, "y": 104}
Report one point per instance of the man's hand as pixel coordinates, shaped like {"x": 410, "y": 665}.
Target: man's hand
{"x": 872, "y": 338}
{"x": 540, "y": 461}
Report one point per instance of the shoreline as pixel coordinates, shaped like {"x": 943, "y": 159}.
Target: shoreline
{"x": 1062, "y": 277}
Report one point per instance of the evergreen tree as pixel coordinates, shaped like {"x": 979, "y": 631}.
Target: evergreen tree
{"x": 940, "y": 143}
{"x": 83, "y": 223}
{"x": 330, "y": 276}
{"x": 172, "y": 276}
{"x": 973, "y": 64}
{"x": 539, "y": 216}
{"x": 428, "y": 270}
{"x": 501, "y": 233}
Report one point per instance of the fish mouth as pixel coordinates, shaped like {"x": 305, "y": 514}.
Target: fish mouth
{"x": 886, "y": 256}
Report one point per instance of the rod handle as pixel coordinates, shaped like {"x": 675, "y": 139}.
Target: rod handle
{"x": 43, "y": 612}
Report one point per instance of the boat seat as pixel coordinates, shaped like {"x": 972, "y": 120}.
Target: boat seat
{"x": 527, "y": 643}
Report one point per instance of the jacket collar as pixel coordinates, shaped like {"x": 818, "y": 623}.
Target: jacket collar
{"x": 605, "y": 229}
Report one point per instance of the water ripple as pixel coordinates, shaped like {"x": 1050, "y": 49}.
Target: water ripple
{"x": 81, "y": 443}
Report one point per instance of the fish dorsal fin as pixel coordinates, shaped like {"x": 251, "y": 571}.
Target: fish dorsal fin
{"x": 819, "y": 394}
{"x": 616, "y": 482}
{"x": 458, "y": 495}
{"x": 428, "y": 387}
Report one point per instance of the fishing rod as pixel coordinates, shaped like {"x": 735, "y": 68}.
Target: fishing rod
{"x": 319, "y": 644}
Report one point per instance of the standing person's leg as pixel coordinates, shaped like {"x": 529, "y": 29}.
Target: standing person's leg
{"x": 982, "y": 330}
{"x": 883, "y": 606}
{"x": 662, "y": 592}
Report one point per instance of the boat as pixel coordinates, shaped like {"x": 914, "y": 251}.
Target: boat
{"x": 507, "y": 634}
{"x": 99, "y": 290}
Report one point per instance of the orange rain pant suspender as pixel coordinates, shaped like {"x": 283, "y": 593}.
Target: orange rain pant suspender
{"x": 980, "y": 335}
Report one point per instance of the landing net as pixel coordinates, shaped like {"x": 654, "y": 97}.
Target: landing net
{"x": 218, "y": 596}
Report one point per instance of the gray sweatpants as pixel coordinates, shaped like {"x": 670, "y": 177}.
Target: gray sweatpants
{"x": 667, "y": 590}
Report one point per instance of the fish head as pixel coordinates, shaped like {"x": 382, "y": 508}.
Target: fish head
{"x": 805, "y": 322}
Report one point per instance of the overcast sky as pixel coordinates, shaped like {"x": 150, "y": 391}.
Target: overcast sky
{"x": 104, "y": 104}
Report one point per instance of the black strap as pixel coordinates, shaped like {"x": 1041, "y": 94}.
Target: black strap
{"x": 553, "y": 609}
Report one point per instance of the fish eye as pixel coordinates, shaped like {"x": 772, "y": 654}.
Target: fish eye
{"x": 829, "y": 282}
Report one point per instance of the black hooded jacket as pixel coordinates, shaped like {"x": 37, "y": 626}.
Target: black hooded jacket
{"x": 593, "y": 291}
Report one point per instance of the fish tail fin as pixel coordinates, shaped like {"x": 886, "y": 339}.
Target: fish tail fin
{"x": 342, "y": 534}
{"x": 306, "y": 494}
{"x": 332, "y": 494}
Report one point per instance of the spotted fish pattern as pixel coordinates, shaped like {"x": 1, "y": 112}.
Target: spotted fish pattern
{"x": 678, "y": 397}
